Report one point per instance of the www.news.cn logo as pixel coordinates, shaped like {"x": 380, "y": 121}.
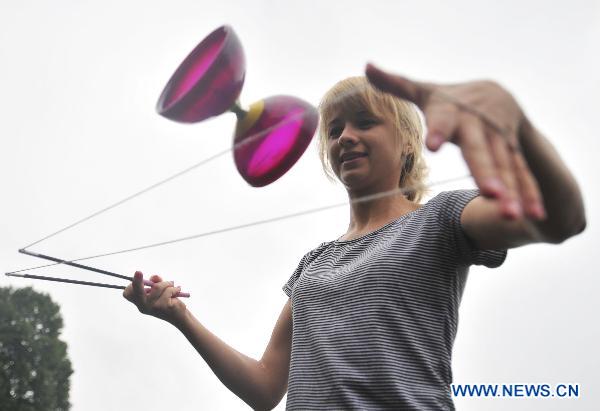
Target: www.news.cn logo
{"x": 516, "y": 390}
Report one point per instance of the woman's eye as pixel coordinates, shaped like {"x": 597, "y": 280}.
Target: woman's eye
{"x": 366, "y": 123}
{"x": 334, "y": 132}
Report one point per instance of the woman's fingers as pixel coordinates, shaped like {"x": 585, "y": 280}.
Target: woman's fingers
{"x": 172, "y": 293}
{"x": 159, "y": 300}
{"x": 474, "y": 145}
{"x": 474, "y": 116}
{"x": 511, "y": 200}
{"x": 128, "y": 292}
{"x": 158, "y": 289}
{"x": 164, "y": 301}
{"x": 397, "y": 85}
{"x": 530, "y": 193}
{"x": 522, "y": 194}
{"x": 440, "y": 114}
{"x": 138, "y": 286}
{"x": 442, "y": 120}
{"x": 135, "y": 292}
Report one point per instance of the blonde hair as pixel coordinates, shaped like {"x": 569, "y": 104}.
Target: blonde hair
{"x": 355, "y": 94}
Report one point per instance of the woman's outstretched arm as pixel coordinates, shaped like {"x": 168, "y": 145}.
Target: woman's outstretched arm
{"x": 563, "y": 202}
{"x": 529, "y": 195}
{"x": 259, "y": 383}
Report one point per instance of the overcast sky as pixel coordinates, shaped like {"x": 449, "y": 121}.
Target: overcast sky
{"x": 79, "y": 82}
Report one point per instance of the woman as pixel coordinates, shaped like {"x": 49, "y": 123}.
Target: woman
{"x": 372, "y": 316}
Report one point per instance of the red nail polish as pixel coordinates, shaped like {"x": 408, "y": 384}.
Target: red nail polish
{"x": 435, "y": 140}
{"x": 538, "y": 211}
{"x": 514, "y": 208}
{"x": 494, "y": 186}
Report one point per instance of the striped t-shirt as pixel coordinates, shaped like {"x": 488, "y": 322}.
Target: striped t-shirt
{"x": 374, "y": 318}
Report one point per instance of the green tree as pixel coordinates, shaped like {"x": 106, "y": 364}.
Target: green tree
{"x": 34, "y": 367}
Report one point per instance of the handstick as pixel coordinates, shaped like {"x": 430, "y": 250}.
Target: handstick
{"x": 93, "y": 284}
{"x": 85, "y": 267}
{"x": 65, "y": 280}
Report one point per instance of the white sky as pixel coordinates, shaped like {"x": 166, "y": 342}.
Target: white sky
{"x": 79, "y": 81}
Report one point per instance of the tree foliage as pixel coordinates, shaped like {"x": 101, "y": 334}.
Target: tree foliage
{"x": 34, "y": 367}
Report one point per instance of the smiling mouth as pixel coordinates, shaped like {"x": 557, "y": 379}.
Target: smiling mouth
{"x": 350, "y": 157}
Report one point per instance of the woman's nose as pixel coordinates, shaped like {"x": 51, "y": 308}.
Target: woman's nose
{"x": 347, "y": 138}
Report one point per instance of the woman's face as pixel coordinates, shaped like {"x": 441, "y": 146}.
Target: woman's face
{"x": 363, "y": 152}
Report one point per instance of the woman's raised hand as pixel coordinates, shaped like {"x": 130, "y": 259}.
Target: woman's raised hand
{"x": 159, "y": 301}
{"x": 487, "y": 123}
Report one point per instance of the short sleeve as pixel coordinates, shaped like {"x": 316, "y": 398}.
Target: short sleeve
{"x": 451, "y": 205}
{"x": 288, "y": 287}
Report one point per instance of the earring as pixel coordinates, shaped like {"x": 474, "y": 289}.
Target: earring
{"x": 407, "y": 167}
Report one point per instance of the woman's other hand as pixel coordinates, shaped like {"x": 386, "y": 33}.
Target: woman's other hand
{"x": 487, "y": 123}
{"x": 158, "y": 301}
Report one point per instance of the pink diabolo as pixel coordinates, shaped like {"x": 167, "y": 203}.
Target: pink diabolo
{"x": 269, "y": 137}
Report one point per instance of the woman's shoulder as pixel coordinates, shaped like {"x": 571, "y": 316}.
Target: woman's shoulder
{"x": 452, "y": 197}
{"x": 313, "y": 253}
{"x": 322, "y": 247}
{"x": 446, "y": 206}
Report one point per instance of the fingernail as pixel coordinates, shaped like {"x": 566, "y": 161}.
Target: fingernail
{"x": 435, "y": 140}
{"x": 494, "y": 186}
{"x": 138, "y": 275}
{"x": 514, "y": 209}
{"x": 537, "y": 211}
